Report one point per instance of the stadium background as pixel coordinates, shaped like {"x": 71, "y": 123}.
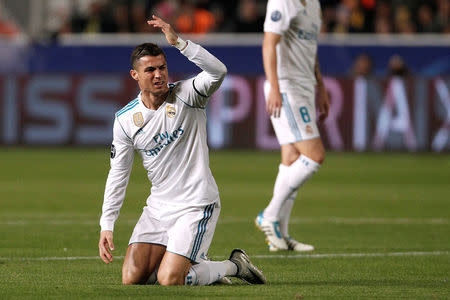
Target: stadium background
{"x": 61, "y": 84}
{"x": 377, "y": 212}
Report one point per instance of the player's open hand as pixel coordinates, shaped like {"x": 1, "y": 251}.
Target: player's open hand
{"x": 273, "y": 105}
{"x": 106, "y": 245}
{"x": 323, "y": 100}
{"x": 166, "y": 28}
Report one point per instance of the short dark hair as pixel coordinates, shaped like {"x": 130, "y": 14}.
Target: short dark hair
{"x": 146, "y": 49}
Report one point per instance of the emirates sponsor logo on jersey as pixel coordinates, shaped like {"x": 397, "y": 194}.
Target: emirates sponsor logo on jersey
{"x": 171, "y": 111}
{"x": 309, "y": 36}
{"x": 163, "y": 140}
{"x": 138, "y": 119}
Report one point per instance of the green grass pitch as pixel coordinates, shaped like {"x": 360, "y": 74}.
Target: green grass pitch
{"x": 380, "y": 224}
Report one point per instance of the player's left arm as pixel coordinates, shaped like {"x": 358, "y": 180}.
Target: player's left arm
{"x": 214, "y": 71}
{"x": 323, "y": 99}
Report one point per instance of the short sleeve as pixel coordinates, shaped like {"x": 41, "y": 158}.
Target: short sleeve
{"x": 279, "y": 15}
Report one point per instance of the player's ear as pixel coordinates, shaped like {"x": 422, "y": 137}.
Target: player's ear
{"x": 134, "y": 74}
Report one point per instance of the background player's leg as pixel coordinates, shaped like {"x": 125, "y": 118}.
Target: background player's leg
{"x": 268, "y": 220}
{"x": 140, "y": 261}
{"x": 299, "y": 162}
{"x": 312, "y": 155}
{"x": 282, "y": 190}
{"x": 313, "y": 149}
{"x": 285, "y": 214}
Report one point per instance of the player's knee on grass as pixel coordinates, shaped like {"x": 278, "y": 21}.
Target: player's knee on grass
{"x": 133, "y": 275}
{"x": 170, "y": 278}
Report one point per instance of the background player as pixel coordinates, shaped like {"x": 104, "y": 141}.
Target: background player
{"x": 291, "y": 30}
{"x": 166, "y": 124}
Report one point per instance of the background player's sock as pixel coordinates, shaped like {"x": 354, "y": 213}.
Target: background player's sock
{"x": 300, "y": 171}
{"x": 208, "y": 272}
{"x": 285, "y": 214}
{"x": 281, "y": 191}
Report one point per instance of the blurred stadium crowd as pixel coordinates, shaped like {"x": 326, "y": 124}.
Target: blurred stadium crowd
{"x": 203, "y": 16}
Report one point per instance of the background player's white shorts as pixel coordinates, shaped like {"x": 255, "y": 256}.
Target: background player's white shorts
{"x": 297, "y": 121}
{"x": 187, "y": 231}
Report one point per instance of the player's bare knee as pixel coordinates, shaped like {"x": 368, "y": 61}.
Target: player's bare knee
{"x": 170, "y": 279}
{"x": 291, "y": 160}
{"x": 131, "y": 275}
{"x": 288, "y": 160}
{"x": 319, "y": 157}
{"x": 128, "y": 279}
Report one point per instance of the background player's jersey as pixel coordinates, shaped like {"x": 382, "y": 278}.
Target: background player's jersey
{"x": 171, "y": 141}
{"x": 298, "y": 21}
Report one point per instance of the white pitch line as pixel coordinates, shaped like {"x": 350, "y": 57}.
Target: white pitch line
{"x": 330, "y": 255}
{"x": 54, "y": 258}
{"x": 258, "y": 256}
{"x": 235, "y": 220}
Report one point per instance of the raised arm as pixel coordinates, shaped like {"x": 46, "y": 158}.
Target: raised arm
{"x": 214, "y": 71}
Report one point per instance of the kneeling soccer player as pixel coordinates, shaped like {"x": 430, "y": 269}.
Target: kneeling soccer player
{"x": 166, "y": 125}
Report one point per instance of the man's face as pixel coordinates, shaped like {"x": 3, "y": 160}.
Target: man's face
{"x": 151, "y": 74}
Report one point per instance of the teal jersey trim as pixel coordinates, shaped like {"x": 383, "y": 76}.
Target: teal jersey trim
{"x": 201, "y": 229}
{"x": 291, "y": 118}
{"x": 128, "y": 107}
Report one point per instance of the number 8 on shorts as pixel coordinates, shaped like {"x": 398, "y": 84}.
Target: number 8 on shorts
{"x": 305, "y": 115}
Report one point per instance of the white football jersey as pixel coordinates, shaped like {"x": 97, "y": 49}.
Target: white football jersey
{"x": 298, "y": 22}
{"x": 170, "y": 140}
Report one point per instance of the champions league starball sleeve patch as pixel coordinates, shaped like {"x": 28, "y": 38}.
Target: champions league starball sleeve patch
{"x": 276, "y": 16}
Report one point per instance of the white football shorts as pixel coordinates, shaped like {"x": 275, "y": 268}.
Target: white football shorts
{"x": 184, "y": 231}
{"x": 297, "y": 121}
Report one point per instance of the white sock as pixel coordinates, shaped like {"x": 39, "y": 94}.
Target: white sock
{"x": 300, "y": 171}
{"x": 207, "y": 272}
{"x": 285, "y": 214}
{"x": 281, "y": 191}
{"x": 289, "y": 179}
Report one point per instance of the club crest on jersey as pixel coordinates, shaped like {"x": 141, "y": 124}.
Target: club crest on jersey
{"x": 138, "y": 119}
{"x": 171, "y": 111}
{"x": 303, "y": 2}
{"x": 276, "y": 16}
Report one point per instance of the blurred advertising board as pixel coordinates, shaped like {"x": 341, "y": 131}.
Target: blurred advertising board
{"x": 366, "y": 114}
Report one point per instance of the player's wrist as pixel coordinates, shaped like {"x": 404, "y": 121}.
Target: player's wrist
{"x": 275, "y": 88}
{"x": 180, "y": 44}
